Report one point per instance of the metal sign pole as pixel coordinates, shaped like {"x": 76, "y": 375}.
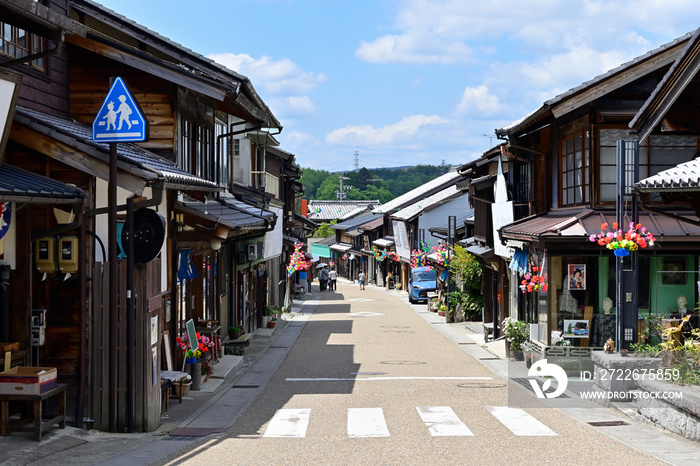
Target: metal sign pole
{"x": 113, "y": 290}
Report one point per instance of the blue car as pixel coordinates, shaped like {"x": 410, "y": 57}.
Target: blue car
{"x": 423, "y": 281}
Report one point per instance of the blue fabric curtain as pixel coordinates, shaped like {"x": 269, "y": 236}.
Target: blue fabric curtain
{"x": 519, "y": 261}
{"x": 187, "y": 270}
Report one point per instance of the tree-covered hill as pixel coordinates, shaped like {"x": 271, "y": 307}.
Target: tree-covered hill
{"x": 383, "y": 184}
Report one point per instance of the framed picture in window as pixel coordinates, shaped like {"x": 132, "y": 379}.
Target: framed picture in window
{"x": 577, "y": 276}
{"x": 673, "y": 272}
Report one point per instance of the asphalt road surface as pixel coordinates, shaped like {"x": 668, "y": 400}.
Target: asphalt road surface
{"x": 369, "y": 381}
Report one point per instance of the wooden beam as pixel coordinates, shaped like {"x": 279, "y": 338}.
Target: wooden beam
{"x": 146, "y": 66}
{"x": 608, "y": 85}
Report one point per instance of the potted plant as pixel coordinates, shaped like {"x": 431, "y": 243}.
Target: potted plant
{"x": 442, "y": 310}
{"x": 516, "y": 334}
{"x": 185, "y": 386}
{"x": 195, "y": 355}
{"x": 234, "y": 333}
{"x": 272, "y": 312}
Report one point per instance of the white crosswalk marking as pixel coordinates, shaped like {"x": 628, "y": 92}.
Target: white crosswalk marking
{"x": 443, "y": 422}
{"x": 288, "y": 423}
{"x": 366, "y": 422}
{"x": 519, "y": 422}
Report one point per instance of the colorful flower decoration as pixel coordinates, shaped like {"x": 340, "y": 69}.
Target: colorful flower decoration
{"x": 192, "y": 355}
{"x": 298, "y": 261}
{"x": 331, "y": 263}
{"x": 442, "y": 255}
{"x": 379, "y": 254}
{"x": 345, "y": 257}
{"x": 534, "y": 280}
{"x": 393, "y": 256}
{"x": 637, "y": 236}
{"x": 419, "y": 259}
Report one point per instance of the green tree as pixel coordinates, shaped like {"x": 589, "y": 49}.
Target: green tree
{"x": 467, "y": 270}
{"x": 325, "y": 230}
{"x": 312, "y": 180}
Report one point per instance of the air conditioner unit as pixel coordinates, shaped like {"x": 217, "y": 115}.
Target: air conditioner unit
{"x": 252, "y": 252}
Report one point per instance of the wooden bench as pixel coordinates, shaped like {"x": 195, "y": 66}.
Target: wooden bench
{"x": 488, "y": 330}
{"x": 39, "y": 425}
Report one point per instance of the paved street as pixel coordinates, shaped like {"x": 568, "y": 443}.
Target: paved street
{"x": 371, "y": 381}
{"x": 363, "y": 377}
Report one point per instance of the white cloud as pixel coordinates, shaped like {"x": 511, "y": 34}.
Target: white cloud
{"x": 273, "y": 76}
{"x": 479, "y": 101}
{"x": 413, "y": 47}
{"x": 399, "y": 132}
{"x": 294, "y": 106}
{"x": 298, "y": 139}
{"x": 446, "y": 31}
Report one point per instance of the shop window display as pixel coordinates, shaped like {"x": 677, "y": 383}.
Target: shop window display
{"x": 583, "y": 294}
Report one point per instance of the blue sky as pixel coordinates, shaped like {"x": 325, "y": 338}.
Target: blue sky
{"x": 407, "y": 82}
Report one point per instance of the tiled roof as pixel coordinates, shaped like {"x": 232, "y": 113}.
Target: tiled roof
{"x": 353, "y": 223}
{"x": 229, "y": 212}
{"x": 428, "y": 203}
{"x": 336, "y": 210}
{"x": 682, "y": 177}
{"x": 18, "y": 183}
{"x": 79, "y": 136}
{"x": 421, "y": 192}
{"x": 583, "y": 223}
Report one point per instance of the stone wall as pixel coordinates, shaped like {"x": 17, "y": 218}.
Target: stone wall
{"x": 678, "y": 414}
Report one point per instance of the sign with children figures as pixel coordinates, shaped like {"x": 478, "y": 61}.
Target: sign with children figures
{"x": 120, "y": 118}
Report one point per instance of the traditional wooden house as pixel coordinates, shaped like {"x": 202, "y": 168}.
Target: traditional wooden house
{"x": 405, "y": 235}
{"x": 579, "y": 149}
{"x": 191, "y": 216}
{"x": 500, "y": 191}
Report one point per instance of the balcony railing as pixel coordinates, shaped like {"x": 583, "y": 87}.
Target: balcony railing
{"x": 271, "y": 182}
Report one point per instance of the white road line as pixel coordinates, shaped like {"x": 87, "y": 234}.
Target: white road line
{"x": 443, "y": 422}
{"x": 288, "y": 423}
{"x": 336, "y": 379}
{"x": 366, "y": 422}
{"x": 519, "y": 422}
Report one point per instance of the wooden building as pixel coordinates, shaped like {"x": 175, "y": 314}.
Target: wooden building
{"x": 202, "y": 184}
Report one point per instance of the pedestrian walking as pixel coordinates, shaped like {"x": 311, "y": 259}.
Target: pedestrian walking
{"x": 332, "y": 278}
{"x": 323, "y": 278}
{"x": 309, "y": 279}
{"x": 361, "y": 278}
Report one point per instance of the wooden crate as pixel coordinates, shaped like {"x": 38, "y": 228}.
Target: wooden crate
{"x": 28, "y": 380}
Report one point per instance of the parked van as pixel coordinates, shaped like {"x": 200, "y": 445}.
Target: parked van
{"x": 423, "y": 280}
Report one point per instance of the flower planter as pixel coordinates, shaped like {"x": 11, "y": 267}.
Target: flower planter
{"x": 271, "y": 324}
{"x": 234, "y": 335}
{"x": 185, "y": 388}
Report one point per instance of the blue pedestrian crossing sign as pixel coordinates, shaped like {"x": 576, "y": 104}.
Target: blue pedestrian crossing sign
{"x": 120, "y": 118}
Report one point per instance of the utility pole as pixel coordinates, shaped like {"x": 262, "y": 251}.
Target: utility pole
{"x": 342, "y": 192}
{"x": 356, "y": 163}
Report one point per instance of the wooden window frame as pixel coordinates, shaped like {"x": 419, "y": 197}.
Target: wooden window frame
{"x": 14, "y": 48}
{"x": 568, "y": 166}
